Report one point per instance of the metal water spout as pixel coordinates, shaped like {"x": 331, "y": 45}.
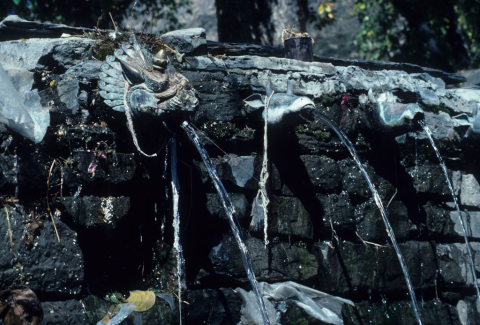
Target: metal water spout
{"x": 386, "y": 115}
{"x": 468, "y": 128}
{"x": 281, "y": 104}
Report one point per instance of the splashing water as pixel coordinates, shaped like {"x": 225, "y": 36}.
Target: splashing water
{"x": 232, "y": 217}
{"x": 176, "y": 222}
{"x": 449, "y": 183}
{"x": 379, "y": 203}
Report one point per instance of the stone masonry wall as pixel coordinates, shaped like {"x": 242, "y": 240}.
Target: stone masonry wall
{"x": 325, "y": 230}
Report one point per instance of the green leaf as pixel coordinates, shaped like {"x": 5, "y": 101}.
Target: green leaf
{"x": 16, "y": 2}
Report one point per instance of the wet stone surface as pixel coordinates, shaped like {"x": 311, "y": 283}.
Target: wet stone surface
{"x": 286, "y": 262}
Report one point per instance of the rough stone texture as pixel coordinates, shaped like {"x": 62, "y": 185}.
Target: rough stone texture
{"x": 370, "y": 225}
{"x": 470, "y": 191}
{"x": 454, "y": 267}
{"x": 471, "y": 221}
{"x": 45, "y": 54}
{"x": 286, "y": 262}
{"x": 89, "y": 211}
{"x": 49, "y": 266}
{"x": 14, "y": 27}
{"x": 186, "y": 40}
{"x": 322, "y": 171}
{"x": 439, "y": 221}
{"x": 468, "y": 310}
{"x": 441, "y": 126}
{"x": 241, "y": 171}
{"x": 338, "y": 212}
{"x": 85, "y": 72}
{"x": 69, "y": 312}
{"x": 433, "y": 312}
{"x": 240, "y": 202}
{"x": 220, "y": 306}
{"x": 429, "y": 179}
{"x": 381, "y": 270}
{"x": 355, "y": 184}
{"x": 111, "y": 169}
{"x": 288, "y": 217}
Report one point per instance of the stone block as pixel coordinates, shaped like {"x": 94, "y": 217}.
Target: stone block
{"x": 355, "y": 268}
{"x": 239, "y": 201}
{"x": 92, "y": 210}
{"x": 323, "y": 171}
{"x": 470, "y": 191}
{"x": 288, "y": 216}
{"x": 279, "y": 262}
{"x": 454, "y": 264}
{"x": 49, "y": 266}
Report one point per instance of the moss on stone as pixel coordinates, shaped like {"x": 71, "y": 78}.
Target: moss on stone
{"x": 219, "y": 129}
{"x": 437, "y": 108}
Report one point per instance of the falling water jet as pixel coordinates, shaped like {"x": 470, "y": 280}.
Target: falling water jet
{"x": 449, "y": 183}
{"x": 379, "y": 203}
{"x": 232, "y": 217}
{"x": 176, "y": 221}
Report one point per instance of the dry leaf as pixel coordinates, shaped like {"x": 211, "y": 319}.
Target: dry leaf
{"x": 144, "y": 300}
{"x": 32, "y": 232}
{"x": 23, "y": 306}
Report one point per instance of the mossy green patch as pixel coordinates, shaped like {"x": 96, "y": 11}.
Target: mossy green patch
{"x": 319, "y": 135}
{"x": 437, "y": 108}
{"x": 219, "y": 129}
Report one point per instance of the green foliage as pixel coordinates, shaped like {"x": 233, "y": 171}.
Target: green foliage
{"x": 441, "y": 34}
{"x": 88, "y": 13}
{"x": 323, "y": 14}
{"x": 381, "y": 29}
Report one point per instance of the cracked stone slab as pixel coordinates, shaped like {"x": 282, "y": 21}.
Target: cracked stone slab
{"x": 45, "y": 53}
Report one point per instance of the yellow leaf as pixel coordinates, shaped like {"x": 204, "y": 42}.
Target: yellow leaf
{"x": 328, "y": 7}
{"x": 330, "y": 15}
{"x": 144, "y": 300}
{"x": 52, "y": 83}
{"x": 321, "y": 9}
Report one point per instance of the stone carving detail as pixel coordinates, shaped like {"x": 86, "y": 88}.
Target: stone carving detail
{"x": 154, "y": 87}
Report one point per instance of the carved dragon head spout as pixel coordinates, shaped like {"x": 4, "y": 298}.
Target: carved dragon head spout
{"x": 152, "y": 89}
{"x": 135, "y": 81}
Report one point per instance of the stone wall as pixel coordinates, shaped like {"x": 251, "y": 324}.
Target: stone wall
{"x": 108, "y": 202}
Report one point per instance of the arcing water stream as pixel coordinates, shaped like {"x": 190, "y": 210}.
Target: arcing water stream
{"x": 176, "y": 222}
{"x": 379, "y": 203}
{"x": 444, "y": 168}
{"x": 232, "y": 217}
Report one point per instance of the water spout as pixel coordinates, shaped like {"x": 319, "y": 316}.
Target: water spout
{"x": 232, "y": 217}
{"x": 388, "y": 116}
{"x": 379, "y": 203}
{"x": 449, "y": 183}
